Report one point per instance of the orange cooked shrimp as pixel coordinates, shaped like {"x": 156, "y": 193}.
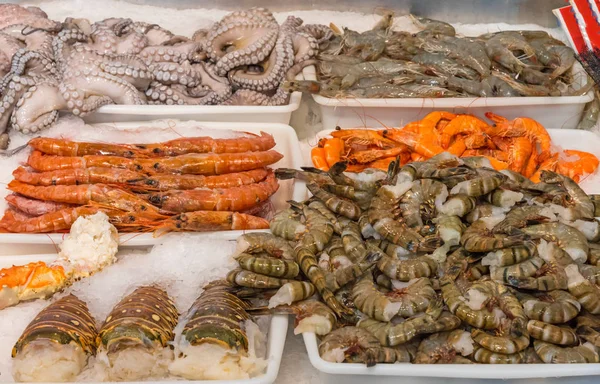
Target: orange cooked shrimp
{"x": 195, "y": 164}
{"x": 519, "y": 154}
{"x": 75, "y": 176}
{"x": 334, "y": 150}
{"x": 63, "y": 147}
{"x": 373, "y": 155}
{"x": 495, "y": 153}
{"x": 547, "y": 165}
{"x": 29, "y": 282}
{"x": 522, "y": 126}
{"x": 586, "y": 163}
{"x": 384, "y": 164}
{"x": 43, "y": 163}
{"x": 424, "y": 145}
{"x": 87, "y": 193}
{"x": 34, "y": 207}
{"x": 497, "y": 164}
{"x": 170, "y": 182}
{"x": 363, "y": 136}
{"x": 458, "y": 147}
{"x": 248, "y": 143}
{"x": 462, "y": 124}
{"x": 207, "y": 221}
{"x": 228, "y": 199}
{"x": 182, "y": 146}
{"x": 51, "y": 222}
{"x": 531, "y": 166}
{"x": 318, "y": 157}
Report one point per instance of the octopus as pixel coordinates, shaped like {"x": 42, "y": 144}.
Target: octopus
{"x": 79, "y": 66}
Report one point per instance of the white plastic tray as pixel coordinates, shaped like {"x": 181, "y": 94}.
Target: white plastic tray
{"x": 287, "y": 144}
{"x": 342, "y": 373}
{"x": 275, "y": 339}
{"x": 558, "y": 112}
{"x": 281, "y": 114}
{"x": 334, "y": 373}
{"x": 566, "y": 139}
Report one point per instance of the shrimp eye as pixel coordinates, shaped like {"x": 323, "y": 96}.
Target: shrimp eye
{"x": 143, "y": 207}
{"x": 138, "y": 167}
{"x": 156, "y": 166}
{"x": 156, "y": 150}
{"x": 155, "y": 199}
{"x": 131, "y": 218}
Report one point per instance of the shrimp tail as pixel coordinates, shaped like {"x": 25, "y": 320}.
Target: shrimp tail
{"x": 338, "y": 167}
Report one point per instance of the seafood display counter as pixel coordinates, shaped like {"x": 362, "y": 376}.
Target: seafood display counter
{"x": 163, "y": 225}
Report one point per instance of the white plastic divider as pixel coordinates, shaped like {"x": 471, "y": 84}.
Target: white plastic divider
{"x": 557, "y": 112}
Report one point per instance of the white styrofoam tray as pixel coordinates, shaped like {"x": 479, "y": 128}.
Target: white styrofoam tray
{"x": 275, "y": 338}
{"x": 558, "y": 112}
{"x": 286, "y": 143}
{"x": 281, "y": 114}
{"x": 577, "y": 139}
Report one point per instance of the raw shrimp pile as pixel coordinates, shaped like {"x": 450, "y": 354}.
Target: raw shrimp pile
{"x": 383, "y": 63}
{"x": 187, "y": 184}
{"x": 440, "y": 261}
{"x": 521, "y": 145}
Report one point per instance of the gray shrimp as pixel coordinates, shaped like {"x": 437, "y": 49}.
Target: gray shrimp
{"x": 554, "y": 354}
{"x": 582, "y": 205}
{"x": 484, "y": 356}
{"x": 479, "y": 186}
{"x": 354, "y": 246}
{"x": 514, "y": 273}
{"x": 510, "y": 256}
{"x": 555, "y": 307}
{"x": 350, "y": 273}
{"x": 499, "y": 48}
{"x": 372, "y": 302}
{"x": 351, "y": 344}
{"x": 285, "y": 224}
{"x": 505, "y": 343}
{"x": 423, "y": 193}
{"x": 445, "y": 348}
{"x": 249, "y": 279}
{"x": 521, "y": 217}
{"x": 453, "y": 298}
{"x": 406, "y": 270}
{"x": 286, "y": 269}
{"x": 433, "y": 27}
{"x": 482, "y": 211}
{"x": 292, "y": 292}
{"x": 430, "y": 322}
{"x": 478, "y": 238}
{"x": 568, "y": 238}
{"x": 588, "y": 328}
{"x": 382, "y": 219}
{"x": 458, "y": 205}
{"x": 261, "y": 241}
{"x": 415, "y": 298}
{"x": 554, "y": 334}
{"x": 586, "y": 293}
{"x": 338, "y": 205}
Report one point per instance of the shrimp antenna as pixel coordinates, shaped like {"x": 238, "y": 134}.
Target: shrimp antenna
{"x": 11, "y": 152}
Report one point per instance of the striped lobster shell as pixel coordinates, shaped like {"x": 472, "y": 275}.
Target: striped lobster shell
{"x": 215, "y": 317}
{"x": 65, "y": 321}
{"x": 144, "y": 318}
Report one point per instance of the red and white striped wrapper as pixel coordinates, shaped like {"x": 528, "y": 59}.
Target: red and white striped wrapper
{"x": 580, "y": 21}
